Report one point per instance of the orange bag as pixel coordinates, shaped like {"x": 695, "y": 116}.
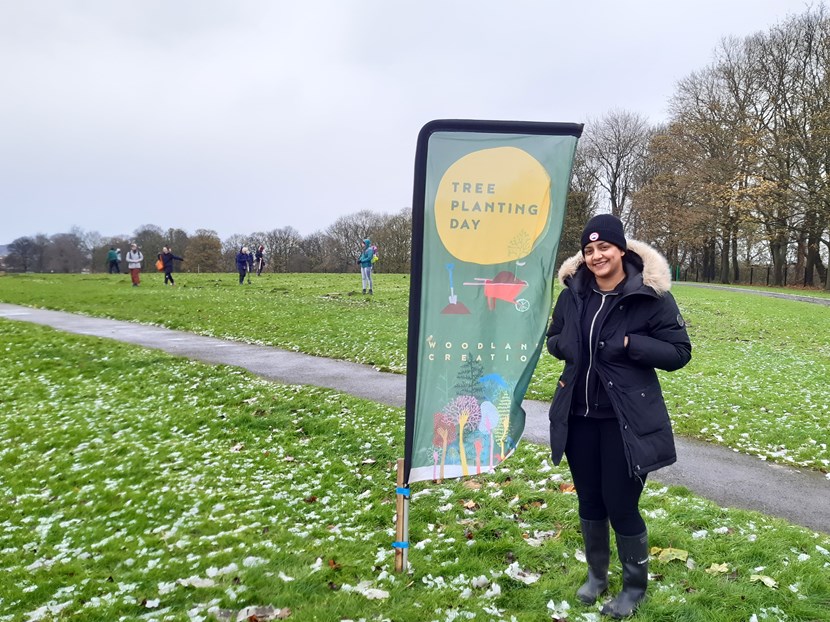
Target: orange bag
{"x": 159, "y": 265}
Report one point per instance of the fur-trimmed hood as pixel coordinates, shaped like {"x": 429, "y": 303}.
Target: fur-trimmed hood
{"x": 656, "y": 272}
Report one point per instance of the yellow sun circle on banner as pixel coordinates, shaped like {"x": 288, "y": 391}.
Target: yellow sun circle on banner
{"x": 492, "y": 205}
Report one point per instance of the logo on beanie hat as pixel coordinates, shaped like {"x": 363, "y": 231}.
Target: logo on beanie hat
{"x": 594, "y": 236}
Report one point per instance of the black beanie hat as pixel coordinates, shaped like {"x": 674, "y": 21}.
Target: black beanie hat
{"x": 605, "y": 227}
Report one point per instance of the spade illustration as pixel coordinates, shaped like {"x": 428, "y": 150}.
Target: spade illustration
{"x": 455, "y": 307}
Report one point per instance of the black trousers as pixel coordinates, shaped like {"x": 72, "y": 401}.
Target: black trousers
{"x": 596, "y": 457}
{"x": 168, "y": 276}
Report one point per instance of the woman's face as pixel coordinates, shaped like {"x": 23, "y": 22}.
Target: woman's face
{"x": 604, "y": 260}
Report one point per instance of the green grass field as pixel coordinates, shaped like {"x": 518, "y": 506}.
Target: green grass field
{"x": 757, "y": 382}
{"x": 139, "y": 486}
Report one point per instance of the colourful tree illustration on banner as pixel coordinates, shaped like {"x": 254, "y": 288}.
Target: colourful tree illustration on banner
{"x": 468, "y": 380}
{"x": 478, "y": 444}
{"x": 446, "y": 431}
{"x": 466, "y": 413}
{"x": 487, "y": 425}
{"x": 503, "y": 425}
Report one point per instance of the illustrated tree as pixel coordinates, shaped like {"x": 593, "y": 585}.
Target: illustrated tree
{"x": 465, "y": 412}
{"x": 503, "y": 408}
{"x": 445, "y": 432}
{"x": 487, "y": 425}
{"x": 467, "y": 381}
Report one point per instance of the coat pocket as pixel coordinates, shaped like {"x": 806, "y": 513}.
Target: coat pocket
{"x": 645, "y": 410}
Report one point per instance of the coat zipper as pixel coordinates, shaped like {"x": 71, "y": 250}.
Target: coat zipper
{"x": 591, "y": 352}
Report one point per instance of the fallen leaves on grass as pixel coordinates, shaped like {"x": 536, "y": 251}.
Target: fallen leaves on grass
{"x": 669, "y": 554}
{"x": 718, "y": 568}
{"x": 768, "y": 581}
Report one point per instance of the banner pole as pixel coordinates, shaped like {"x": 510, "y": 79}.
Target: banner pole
{"x": 401, "y": 543}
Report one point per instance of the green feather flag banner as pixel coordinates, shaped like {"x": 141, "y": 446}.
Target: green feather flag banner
{"x": 488, "y": 209}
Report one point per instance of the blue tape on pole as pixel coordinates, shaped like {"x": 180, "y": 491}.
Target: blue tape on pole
{"x": 400, "y": 545}
{"x": 402, "y": 491}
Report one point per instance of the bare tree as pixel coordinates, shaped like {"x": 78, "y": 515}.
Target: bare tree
{"x": 582, "y": 203}
{"x": 670, "y": 212}
{"x": 345, "y": 238}
{"x": 25, "y": 254}
{"x": 230, "y": 247}
{"x": 282, "y": 246}
{"x": 65, "y": 254}
{"x": 393, "y": 236}
{"x": 314, "y": 253}
{"x": 614, "y": 149}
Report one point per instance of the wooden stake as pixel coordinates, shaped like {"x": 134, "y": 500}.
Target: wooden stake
{"x": 401, "y": 527}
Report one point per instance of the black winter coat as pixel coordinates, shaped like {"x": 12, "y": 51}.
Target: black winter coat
{"x": 646, "y": 312}
{"x": 167, "y": 260}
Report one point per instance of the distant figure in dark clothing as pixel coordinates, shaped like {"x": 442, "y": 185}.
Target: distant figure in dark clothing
{"x": 244, "y": 263}
{"x": 112, "y": 261}
{"x": 166, "y": 255}
{"x": 259, "y": 259}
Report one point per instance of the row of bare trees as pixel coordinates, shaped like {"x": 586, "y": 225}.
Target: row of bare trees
{"x": 334, "y": 250}
{"x": 740, "y": 175}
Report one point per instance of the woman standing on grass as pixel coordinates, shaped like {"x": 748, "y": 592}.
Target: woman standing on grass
{"x": 134, "y": 259}
{"x": 613, "y": 324}
{"x": 365, "y": 261}
{"x": 167, "y": 258}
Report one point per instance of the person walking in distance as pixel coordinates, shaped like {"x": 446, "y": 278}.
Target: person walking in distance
{"x": 112, "y": 261}
{"x": 134, "y": 259}
{"x": 166, "y": 255}
{"x": 365, "y": 261}
{"x": 614, "y": 324}
{"x": 244, "y": 263}
{"x": 259, "y": 259}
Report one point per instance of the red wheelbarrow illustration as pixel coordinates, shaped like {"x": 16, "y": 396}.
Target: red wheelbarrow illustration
{"x": 505, "y": 286}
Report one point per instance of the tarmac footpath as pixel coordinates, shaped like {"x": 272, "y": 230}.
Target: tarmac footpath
{"x": 728, "y": 478}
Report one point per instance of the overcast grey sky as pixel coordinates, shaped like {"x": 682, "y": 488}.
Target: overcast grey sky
{"x": 245, "y": 115}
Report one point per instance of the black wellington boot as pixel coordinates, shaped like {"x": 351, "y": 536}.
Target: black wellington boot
{"x": 595, "y": 535}
{"x": 633, "y": 551}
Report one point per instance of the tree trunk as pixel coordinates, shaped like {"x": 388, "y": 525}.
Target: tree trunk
{"x": 778, "y": 251}
{"x": 813, "y": 257}
{"x": 724, "y": 257}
